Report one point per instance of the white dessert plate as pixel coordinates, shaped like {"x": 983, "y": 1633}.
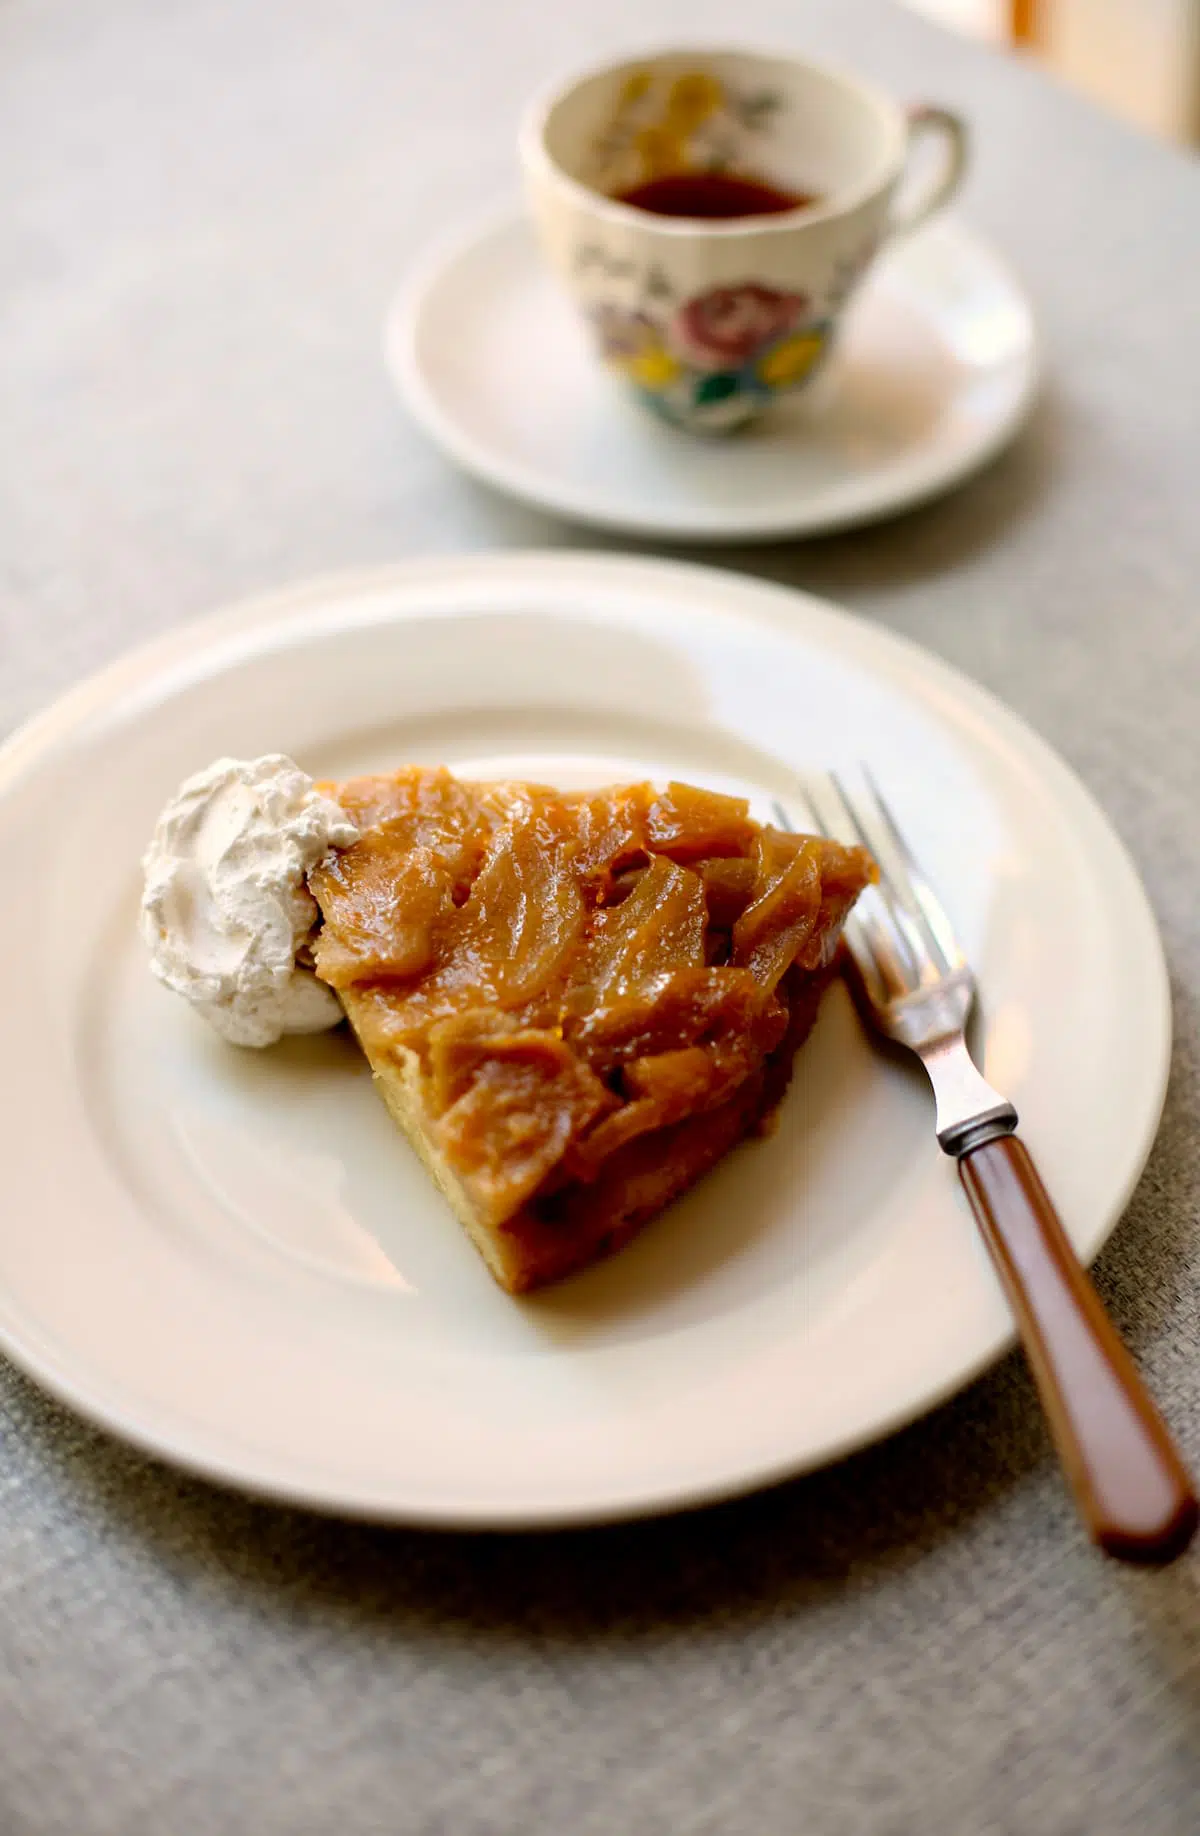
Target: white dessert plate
{"x": 233, "y": 1258}
{"x": 936, "y": 370}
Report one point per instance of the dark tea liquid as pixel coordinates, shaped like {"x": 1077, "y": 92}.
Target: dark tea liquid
{"x": 710, "y": 195}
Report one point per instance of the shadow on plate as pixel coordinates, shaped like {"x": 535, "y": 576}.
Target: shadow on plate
{"x": 913, "y": 545}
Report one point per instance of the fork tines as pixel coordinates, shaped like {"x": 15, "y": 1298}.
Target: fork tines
{"x": 901, "y": 920}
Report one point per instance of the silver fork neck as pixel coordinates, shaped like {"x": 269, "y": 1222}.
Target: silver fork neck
{"x": 969, "y": 1111}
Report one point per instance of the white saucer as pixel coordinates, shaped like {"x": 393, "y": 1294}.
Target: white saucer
{"x": 936, "y": 371}
{"x": 233, "y": 1258}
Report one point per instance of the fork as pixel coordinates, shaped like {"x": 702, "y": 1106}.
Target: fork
{"x": 1131, "y": 1487}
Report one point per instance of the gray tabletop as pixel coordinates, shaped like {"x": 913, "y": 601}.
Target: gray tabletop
{"x": 207, "y": 204}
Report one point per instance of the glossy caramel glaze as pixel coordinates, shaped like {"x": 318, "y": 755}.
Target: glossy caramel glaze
{"x": 597, "y": 987}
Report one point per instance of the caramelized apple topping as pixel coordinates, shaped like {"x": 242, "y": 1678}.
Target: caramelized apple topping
{"x": 572, "y": 971}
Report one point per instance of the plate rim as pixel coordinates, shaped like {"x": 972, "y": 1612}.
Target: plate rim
{"x": 514, "y": 479}
{"x": 849, "y": 633}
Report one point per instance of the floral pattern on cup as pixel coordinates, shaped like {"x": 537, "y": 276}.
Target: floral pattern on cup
{"x": 719, "y": 355}
{"x": 690, "y": 122}
{"x": 727, "y": 325}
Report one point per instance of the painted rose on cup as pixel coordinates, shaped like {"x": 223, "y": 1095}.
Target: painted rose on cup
{"x": 708, "y": 361}
{"x": 722, "y": 329}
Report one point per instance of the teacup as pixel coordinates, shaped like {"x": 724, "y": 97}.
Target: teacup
{"x": 711, "y": 320}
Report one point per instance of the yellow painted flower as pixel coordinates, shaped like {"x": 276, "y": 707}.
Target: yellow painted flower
{"x": 691, "y": 100}
{"x": 791, "y": 361}
{"x": 660, "y": 151}
{"x": 653, "y": 369}
{"x": 634, "y": 88}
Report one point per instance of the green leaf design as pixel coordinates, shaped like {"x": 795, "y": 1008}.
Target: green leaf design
{"x": 716, "y": 388}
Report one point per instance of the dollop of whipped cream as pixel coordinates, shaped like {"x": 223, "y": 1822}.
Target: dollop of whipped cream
{"x": 226, "y": 910}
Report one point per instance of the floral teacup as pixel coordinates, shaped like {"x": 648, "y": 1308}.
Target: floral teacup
{"x": 710, "y": 320}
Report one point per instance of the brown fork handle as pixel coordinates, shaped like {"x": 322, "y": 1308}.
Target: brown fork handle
{"x": 1131, "y": 1486}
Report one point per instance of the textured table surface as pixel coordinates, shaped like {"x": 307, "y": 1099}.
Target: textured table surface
{"x": 206, "y": 204}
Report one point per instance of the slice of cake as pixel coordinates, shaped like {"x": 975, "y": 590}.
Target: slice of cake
{"x": 574, "y": 1004}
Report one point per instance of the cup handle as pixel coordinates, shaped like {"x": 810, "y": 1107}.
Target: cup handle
{"x": 925, "y": 121}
